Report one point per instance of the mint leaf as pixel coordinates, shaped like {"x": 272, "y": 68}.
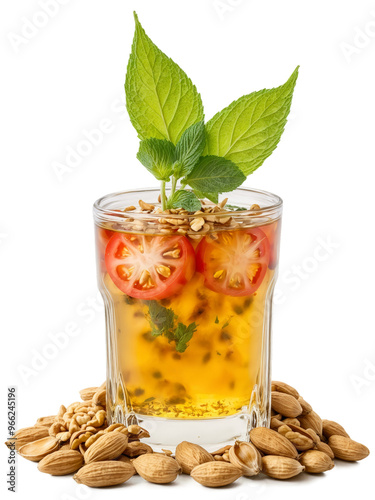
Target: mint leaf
{"x": 214, "y": 197}
{"x": 161, "y": 100}
{"x": 161, "y": 319}
{"x": 235, "y": 208}
{"x": 189, "y": 149}
{"x": 183, "y": 334}
{"x": 163, "y": 322}
{"x": 184, "y": 199}
{"x": 249, "y": 129}
{"x": 157, "y": 156}
{"x": 214, "y": 174}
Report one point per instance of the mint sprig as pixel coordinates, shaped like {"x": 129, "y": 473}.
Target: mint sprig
{"x": 214, "y": 174}
{"x": 183, "y": 334}
{"x": 161, "y": 318}
{"x": 249, "y": 129}
{"x": 163, "y": 321}
{"x": 161, "y": 100}
{"x": 214, "y": 197}
{"x": 189, "y": 149}
{"x": 166, "y": 110}
{"x": 184, "y": 199}
{"x": 157, "y": 155}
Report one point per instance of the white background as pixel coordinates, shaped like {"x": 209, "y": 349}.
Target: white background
{"x": 62, "y": 75}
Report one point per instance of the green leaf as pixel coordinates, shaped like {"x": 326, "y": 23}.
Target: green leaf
{"x": 163, "y": 322}
{"x": 249, "y": 129}
{"x": 161, "y": 319}
{"x": 214, "y": 174}
{"x": 161, "y": 100}
{"x": 183, "y": 334}
{"x": 189, "y": 149}
{"x": 157, "y": 156}
{"x": 214, "y": 197}
{"x": 235, "y": 208}
{"x": 184, "y": 199}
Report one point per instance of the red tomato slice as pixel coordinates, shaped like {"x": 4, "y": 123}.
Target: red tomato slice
{"x": 235, "y": 263}
{"x": 149, "y": 267}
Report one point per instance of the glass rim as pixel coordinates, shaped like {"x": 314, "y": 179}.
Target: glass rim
{"x": 103, "y": 212}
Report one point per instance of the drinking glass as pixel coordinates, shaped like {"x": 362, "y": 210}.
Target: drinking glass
{"x": 207, "y": 381}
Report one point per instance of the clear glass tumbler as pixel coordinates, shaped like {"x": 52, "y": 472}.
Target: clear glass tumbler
{"x": 188, "y": 315}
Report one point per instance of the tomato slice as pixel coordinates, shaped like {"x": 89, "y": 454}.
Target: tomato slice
{"x": 235, "y": 263}
{"x": 149, "y": 267}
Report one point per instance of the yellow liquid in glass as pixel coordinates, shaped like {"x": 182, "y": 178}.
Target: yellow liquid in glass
{"x": 215, "y": 375}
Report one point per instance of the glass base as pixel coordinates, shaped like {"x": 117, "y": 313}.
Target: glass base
{"x": 211, "y": 433}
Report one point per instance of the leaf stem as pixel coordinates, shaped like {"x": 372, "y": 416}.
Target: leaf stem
{"x": 163, "y": 196}
{"x": 174, "y": 184}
